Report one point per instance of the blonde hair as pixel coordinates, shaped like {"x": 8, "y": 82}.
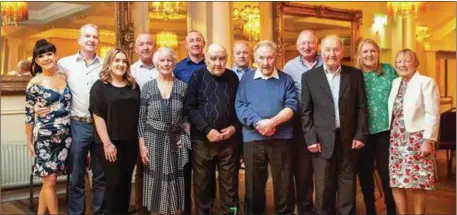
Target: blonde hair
{"x": 105, "y": 74}
{"x": 410, "y": 53}
{"x": 358, "y": 64}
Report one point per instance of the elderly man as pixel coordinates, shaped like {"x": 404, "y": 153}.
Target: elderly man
{"x": 241, "y": 55}
{"x": 334, "y": 119}
{"x": 265, "y": 104}
{"x": 215, "y": 131}
{"x": 23, "y": 68}
{"x": 303, "y": 171}
{"x": 82, "y": 70}
{"x": 143, "y": 70}
{"x": 195, "y": 43}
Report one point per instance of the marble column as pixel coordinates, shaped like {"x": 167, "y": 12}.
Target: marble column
{"x": 221, "y": 30}
{"x": 198, "y": 14}
{"x": 409, "y": 32}
{"x": 266, "y": 21}
{"x": 140, "y": 16}
{"x": 13, "y": 54}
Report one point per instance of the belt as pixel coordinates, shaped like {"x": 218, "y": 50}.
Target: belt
{"x": 82, "y": 119}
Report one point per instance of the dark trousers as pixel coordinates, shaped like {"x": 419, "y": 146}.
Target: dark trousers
{"x": 188, "y": 186}
{"x": 257, "y": 156}
{"x": 83, "y": 144}
{"x": 206, "y": 156}
{"x": 335, "y": 179}
{"x": 303, "y": 172}
{"x": 377, "y": 148}
{"x": 118, "y": 175}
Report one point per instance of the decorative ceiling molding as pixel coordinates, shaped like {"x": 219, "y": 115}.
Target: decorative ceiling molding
{"x": 73, "y": 34}
{"x": 54, "y": 11}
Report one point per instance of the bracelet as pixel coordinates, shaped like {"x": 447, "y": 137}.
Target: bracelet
{"x": 106, "y": 145}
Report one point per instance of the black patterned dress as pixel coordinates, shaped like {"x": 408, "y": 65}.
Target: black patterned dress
{"x": 162, "y": 124}
{"x": 51, "y": 134}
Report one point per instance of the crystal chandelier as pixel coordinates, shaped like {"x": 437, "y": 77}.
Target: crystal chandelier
{"x": 14, "y": 12}
{"x": 167, "y": 39}
{"x": 250, "y": 21}
{"x": 166, "y": 10}
{"x": 405, "y": 9}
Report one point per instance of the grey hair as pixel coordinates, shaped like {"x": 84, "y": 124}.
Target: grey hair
{"x": 164, "y": 51}
{"x": 86, "y": 26}
{"x": 308, "y": 31}
{"x": 332, "y": 36}
{"x": 214, "y": 48}
{"x": 266, "y": 43}
{"x": 138, "y": 37}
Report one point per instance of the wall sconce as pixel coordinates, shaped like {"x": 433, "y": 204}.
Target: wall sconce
{"x": 422, "y": 32}
{"x": 379, "y": 22}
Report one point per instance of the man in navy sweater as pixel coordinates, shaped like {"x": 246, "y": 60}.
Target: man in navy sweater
{"x": 215, "y": 131}
{"x": 265, "y": 104}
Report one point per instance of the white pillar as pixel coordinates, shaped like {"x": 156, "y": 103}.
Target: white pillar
{"x": 198, "y": 14}
{"x": 266, "y": 21}
{"x": 13, "y": 54}
{"x": 397, "y": 36}
{"x": 409, "y": 32}
{"x": 140, "y": 17}
{"x": 221, "y": 30}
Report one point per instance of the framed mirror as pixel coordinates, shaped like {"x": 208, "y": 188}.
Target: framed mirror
{"x": 293, "y": 17}
{"x": 59, "y": 22}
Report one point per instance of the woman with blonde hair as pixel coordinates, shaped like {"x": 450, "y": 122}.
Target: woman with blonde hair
{"x": 114, "y": 105}
{"x": 414, "y": 118}
{"x": 163, "y": 137}
{"x": 378, "y": 82}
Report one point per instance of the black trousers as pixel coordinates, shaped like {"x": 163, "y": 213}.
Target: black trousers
{"x": 257, "y": 156}
{"x": 188, "y": 186}
{"x": 118, "y": 175}
{"x": 377, "y": 148}
{"x": 335, "y": 179}
{"x": 303, "y": 172}
{"x": 206, "y": 156}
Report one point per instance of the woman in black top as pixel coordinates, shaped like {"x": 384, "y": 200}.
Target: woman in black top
{"x": 114, "y": 104}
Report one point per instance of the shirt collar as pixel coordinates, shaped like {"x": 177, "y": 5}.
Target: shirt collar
{"x": 189, "y": 61}
{"x": 317, "y": 61}
{"x": 328, "y": 72}
{"x": 236, "y": 69}
{"x": 259, "y": 74}
{"x": 141, "y": 65}
{"x": 79, "y": 57}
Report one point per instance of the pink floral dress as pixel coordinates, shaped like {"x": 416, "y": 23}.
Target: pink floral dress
{"x": 407, "y": 169}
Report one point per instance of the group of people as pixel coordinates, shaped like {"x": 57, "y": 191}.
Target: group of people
{"x": 185, "y": 120}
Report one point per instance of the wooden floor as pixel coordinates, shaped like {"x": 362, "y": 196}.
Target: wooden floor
{"x": 441, "y": 201}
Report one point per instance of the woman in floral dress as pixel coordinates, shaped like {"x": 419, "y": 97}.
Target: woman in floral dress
{"x": 414, "y": 117}
{"x": 48, "y": 137}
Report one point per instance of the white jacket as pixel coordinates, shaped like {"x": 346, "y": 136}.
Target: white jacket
{"x": 420, "y": 106}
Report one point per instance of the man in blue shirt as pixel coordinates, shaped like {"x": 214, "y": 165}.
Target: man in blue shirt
{"x": 265, "y": 104}
{"x": 303, "y": 170}
{"x": 241, "y": 56}
{"x": 195, "y": 43}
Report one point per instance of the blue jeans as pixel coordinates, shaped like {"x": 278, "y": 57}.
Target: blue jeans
{"x": 82, "y": 134}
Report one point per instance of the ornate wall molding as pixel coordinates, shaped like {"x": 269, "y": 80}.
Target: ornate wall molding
{"x": 14, "y": 85}
{"x": 125, "y": 36}
{"x": 319, "y": 11}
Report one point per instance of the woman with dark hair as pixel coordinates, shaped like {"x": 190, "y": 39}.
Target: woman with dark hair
{"x": 114, "y": 105}
{"x": 48, "y": 137}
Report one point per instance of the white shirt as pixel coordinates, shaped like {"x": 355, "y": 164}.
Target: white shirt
{"x": 80, "y": 78}
{"x": 143, "y": 73}
{"x": 259, "y": 74}
{"x": 334, "y": 80}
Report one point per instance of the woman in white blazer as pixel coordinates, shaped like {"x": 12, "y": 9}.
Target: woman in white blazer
{"x": 414, "y": 118}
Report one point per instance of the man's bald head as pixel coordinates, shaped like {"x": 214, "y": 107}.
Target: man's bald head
{"x": 216, "y": 59}
{"x": 307, "y": 45}
{"x": 144, "y": 47}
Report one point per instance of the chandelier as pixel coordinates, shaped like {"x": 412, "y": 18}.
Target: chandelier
{"x": 166, "y": 10}
{"x": 14, "y": 12}
{"x": 422, "y": 32}
{"x": 167, "y": 39}
{"x": 405, "y": 9}
{"x": 248, "y": 19}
